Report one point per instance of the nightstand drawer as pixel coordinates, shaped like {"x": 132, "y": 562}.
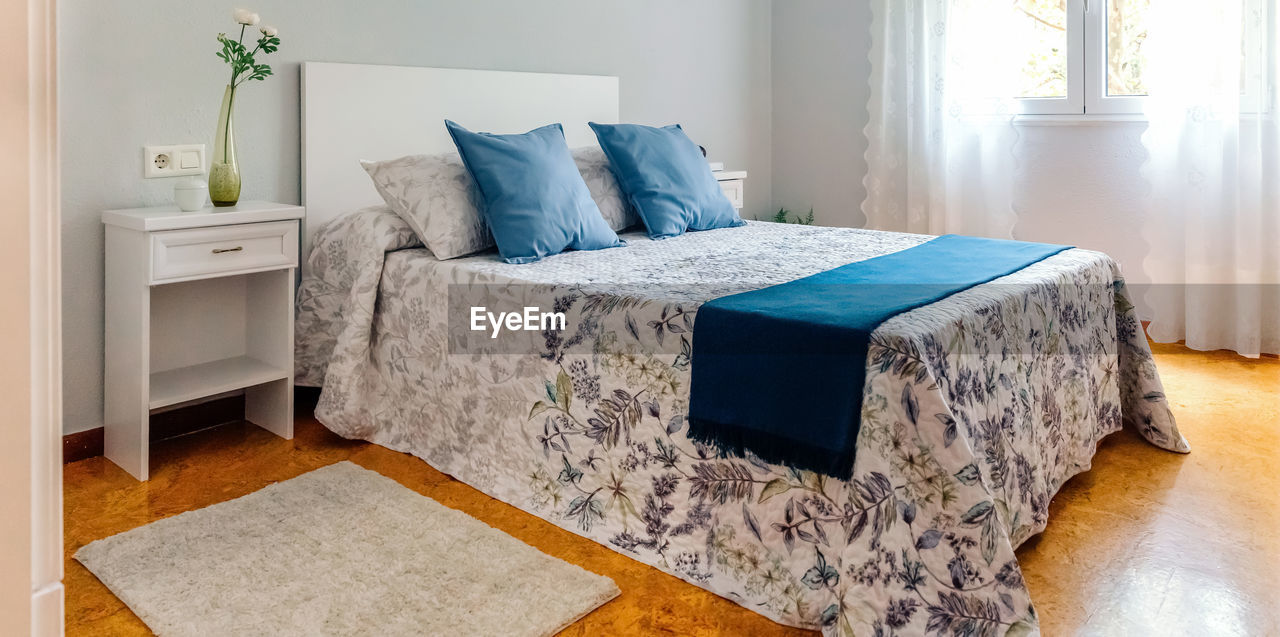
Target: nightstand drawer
{"x": 217, "y": 251}
{"x": 733, "y": 190}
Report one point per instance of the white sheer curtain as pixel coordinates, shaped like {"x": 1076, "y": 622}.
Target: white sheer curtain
{"x": 1214, "y": 227}
{"x": 941, "y": 135}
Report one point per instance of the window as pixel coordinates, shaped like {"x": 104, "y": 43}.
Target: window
{"x": 1087, "y": 57}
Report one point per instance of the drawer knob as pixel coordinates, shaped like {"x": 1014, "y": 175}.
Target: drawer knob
{"x": 222, "y": 250}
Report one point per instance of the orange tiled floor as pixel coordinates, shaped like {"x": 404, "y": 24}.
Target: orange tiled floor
{"x": 1146, "y": 543}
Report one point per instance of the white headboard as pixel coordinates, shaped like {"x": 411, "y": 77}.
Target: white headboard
{"x": 360, "y": 111}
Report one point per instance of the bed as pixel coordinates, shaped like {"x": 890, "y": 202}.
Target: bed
{"x": 975, "y": 410}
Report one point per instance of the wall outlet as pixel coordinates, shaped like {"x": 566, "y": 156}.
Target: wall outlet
{"x": 172, "y": 161}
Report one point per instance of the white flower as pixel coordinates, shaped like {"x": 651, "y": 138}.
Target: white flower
{"x": 245, "y": 17}
{"x": 269, "y": 31}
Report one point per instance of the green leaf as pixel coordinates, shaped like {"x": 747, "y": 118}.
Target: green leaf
{"x": 564, "y": 390}
{"x": 538, "y": 408}
{"x": 774, "y": 487}
{"x": 813, "y": 481}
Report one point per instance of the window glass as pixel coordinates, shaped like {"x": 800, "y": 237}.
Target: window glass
{"x": 1126, "y": 33}
{"x": 1042, "y": 28}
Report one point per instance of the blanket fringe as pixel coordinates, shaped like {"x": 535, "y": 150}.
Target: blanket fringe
{"x": 731, "y": 440}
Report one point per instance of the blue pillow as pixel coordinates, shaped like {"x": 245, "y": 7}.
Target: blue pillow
{"x": 535, "y": 201}
{"x": 666, "y": 179}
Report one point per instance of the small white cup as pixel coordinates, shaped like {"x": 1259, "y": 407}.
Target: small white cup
{"x": 191, "y": 194}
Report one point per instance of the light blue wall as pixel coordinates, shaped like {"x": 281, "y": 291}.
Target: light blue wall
{"x": 820, "y": 91}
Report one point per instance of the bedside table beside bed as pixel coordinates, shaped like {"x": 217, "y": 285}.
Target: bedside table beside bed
{"x": 732, "y": 183}
{"x": 197, "y": 304}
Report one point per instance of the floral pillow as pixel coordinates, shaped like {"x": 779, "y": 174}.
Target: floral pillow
{"x": 436, "y": 196}
{"x": 615, "y": 209}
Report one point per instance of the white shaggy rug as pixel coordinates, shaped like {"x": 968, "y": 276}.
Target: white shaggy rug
{"x": 339, "y": 551}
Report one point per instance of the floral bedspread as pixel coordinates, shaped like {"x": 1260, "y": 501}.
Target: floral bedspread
{"x": 976, "y": 410}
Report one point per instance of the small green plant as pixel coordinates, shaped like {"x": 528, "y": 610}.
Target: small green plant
{"x": 784, "y": 216}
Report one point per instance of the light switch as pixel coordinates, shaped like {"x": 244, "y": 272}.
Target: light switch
{"x": 189, "y": 159}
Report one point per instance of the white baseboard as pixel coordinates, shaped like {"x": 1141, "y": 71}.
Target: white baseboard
{"x": 47, "y": 611}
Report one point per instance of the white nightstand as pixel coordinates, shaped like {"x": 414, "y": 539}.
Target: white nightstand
{"x": 732, "y": 183}
{"x": 197, "y": 304}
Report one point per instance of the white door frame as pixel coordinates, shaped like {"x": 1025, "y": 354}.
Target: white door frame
{"x": 31, "y": 591}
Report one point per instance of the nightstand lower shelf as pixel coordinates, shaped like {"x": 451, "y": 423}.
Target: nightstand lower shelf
{"x": 206, "y": 379}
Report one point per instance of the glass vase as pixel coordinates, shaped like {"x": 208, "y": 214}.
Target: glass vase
{"x": 224, "y": 169}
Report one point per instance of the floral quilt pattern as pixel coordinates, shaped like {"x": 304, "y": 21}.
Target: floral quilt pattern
{"x": 976, "y": 410}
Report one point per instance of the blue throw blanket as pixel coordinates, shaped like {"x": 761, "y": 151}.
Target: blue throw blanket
{"x": 780, "y": 371}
